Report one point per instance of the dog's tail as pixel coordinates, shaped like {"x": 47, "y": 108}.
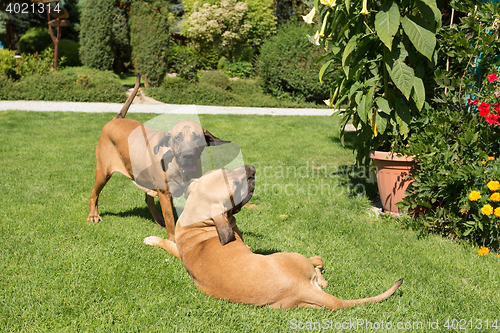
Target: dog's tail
{"x": 125, "y": 107}
{"x": 331, "y": 302}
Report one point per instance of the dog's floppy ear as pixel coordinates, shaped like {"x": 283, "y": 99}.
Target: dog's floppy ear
{"x": 224, "y": 229}
{"x": 212, "y": 140}
{"x": 163, "y": 142}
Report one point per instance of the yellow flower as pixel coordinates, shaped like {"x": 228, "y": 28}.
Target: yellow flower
{"x": 495, "y": 197}
{"x": 309, "y": 17}
{"x": 483, "y": 251}
{"x": 493, "y": 185}
{"x": 464, "y": 210}
{"x": 487, "y": 210}
{"x": 322, "y": 32}
{"x": 329, "y": 3}
{"x": 491, "y": 158}
{"x": 365, "y": 11}
{"x": 484, "y": 162}
{"x": 474, "y": 196}
{"x": 497, "y": 213}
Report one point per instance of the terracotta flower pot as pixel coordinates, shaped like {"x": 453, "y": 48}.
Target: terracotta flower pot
{"x": 392, "y": 181}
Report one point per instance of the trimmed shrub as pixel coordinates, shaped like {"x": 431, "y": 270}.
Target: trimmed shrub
{"x": 70, "y": 50}
{"x": 286, "y": 65}
{"x": 35, "y": 40}
{"x": 239, "y": 69}
{"x": 73, "y": 85}
{"x": 216, "y": 79}
{"x": 96, "y": 34}
{"x": 7, "y": 63}
{"x": 149, "y": 38}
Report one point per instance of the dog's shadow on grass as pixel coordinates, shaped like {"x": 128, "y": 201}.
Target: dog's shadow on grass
{"x": 142, "y": 212}
{"x": 251, "y": 234}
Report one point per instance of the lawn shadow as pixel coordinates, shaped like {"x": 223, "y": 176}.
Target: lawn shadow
{"x": 266, "y": 252}
{"x": 359, "y": 180}
{"x": 349, "y": 139}
{"x": 142, "y": 212}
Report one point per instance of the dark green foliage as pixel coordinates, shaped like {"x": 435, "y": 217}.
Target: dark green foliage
{"x": 286, "y": 64}
{"x": 35, "y": 40}
{"x": 216, "y": 79}
{"x": 74, "y": 85}
{"x": 184, "y": 62}
{"x": 121, "y": 40}
{"x": 96, "y": 49}
{"x": 149, "y": 38}
{"x": 70, "y": 50}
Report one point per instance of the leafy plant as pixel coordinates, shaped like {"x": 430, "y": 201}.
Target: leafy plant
{"x": 386, "y": 50}
{"x": 36, "y": 39}
{"x": 286, "y": 66}
{"x": 37, "y": 63}
{"x": 239, "y": 69}
{"x": 215, "y": 78}
{"x": 7, "y": 63}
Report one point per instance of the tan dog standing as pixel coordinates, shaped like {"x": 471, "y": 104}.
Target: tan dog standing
{"x": 221, "y": 265}
{"x": 161, "y": 163}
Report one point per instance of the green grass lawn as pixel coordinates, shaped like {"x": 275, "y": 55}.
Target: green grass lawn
{"x": 60, "y": 273}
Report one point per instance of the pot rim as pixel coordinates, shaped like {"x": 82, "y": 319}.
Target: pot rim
{"x": 390, "y": 156}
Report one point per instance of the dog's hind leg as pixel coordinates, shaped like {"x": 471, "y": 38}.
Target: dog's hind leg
{"x": 150, "y": 201}
{"x": 318, "y": 267}
{"x": 101, "y": 178}
{"x": 317, "y": 299}
{"x": 165, "y": 244}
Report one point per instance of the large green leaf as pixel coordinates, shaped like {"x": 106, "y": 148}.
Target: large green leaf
{"x": 387, "y": 23}
{"x": 381, "y": 122}
{"x": 403, "y": 117}
{"x": 351, "y": 46}
{"x": 383, "y": 105}
{"x": 362, "y": 110}
{"x": 323, "y": 69}
{"x": 420, "y": 34}
{"x": 432, "y": 5}
{"x": 418, "y": 92}
{"x": 401, "y": 74}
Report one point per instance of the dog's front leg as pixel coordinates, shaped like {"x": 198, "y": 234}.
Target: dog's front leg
{"x": 167, "y": 208}
{"x": 150, "y": 201}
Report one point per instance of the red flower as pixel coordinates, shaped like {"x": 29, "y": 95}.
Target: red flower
{"x": 497, "y": 108}
{"x": 492, "y": 119}
{"x": 492, "y": 77}
{"x": 475, "y": 101}
{"x": 484, "y": 109}
{"x": 469, "y": 101}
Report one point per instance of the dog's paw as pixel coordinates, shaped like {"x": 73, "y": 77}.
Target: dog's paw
{"x": 94, "y": 218}
{"x": 152, "y": 240}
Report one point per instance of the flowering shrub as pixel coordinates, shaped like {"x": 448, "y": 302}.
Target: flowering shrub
{"x": 222, "y": 27}
{"x": 480, "y": 202}
{"x": 37, "y": 63}
{"x": 487, "y": 101}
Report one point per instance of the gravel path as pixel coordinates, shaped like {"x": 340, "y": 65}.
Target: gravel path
{"x": 156, "y": 108}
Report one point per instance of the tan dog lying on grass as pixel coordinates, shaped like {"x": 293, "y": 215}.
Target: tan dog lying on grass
{"x": 126, "y": 146}
{"x": 221, "y": 265}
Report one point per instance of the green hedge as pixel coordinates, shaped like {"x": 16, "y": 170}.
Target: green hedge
{"x": 73, "y": 85}
{"x": 70, "y": 50}
{"x": 149, "y": 38}
{"x": 96, "y": 34}
{"x": 286, "y": 65}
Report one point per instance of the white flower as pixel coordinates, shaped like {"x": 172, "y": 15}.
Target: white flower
{"x": 329, "y": 3}
{"x": 314, "y": 39}
{"x": 365, "y": 11}
{"x": 309, "y": 17}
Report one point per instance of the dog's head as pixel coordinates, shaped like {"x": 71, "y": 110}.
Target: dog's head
{"x": 217, "y": 196}
{"x": 186, "y": 141}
